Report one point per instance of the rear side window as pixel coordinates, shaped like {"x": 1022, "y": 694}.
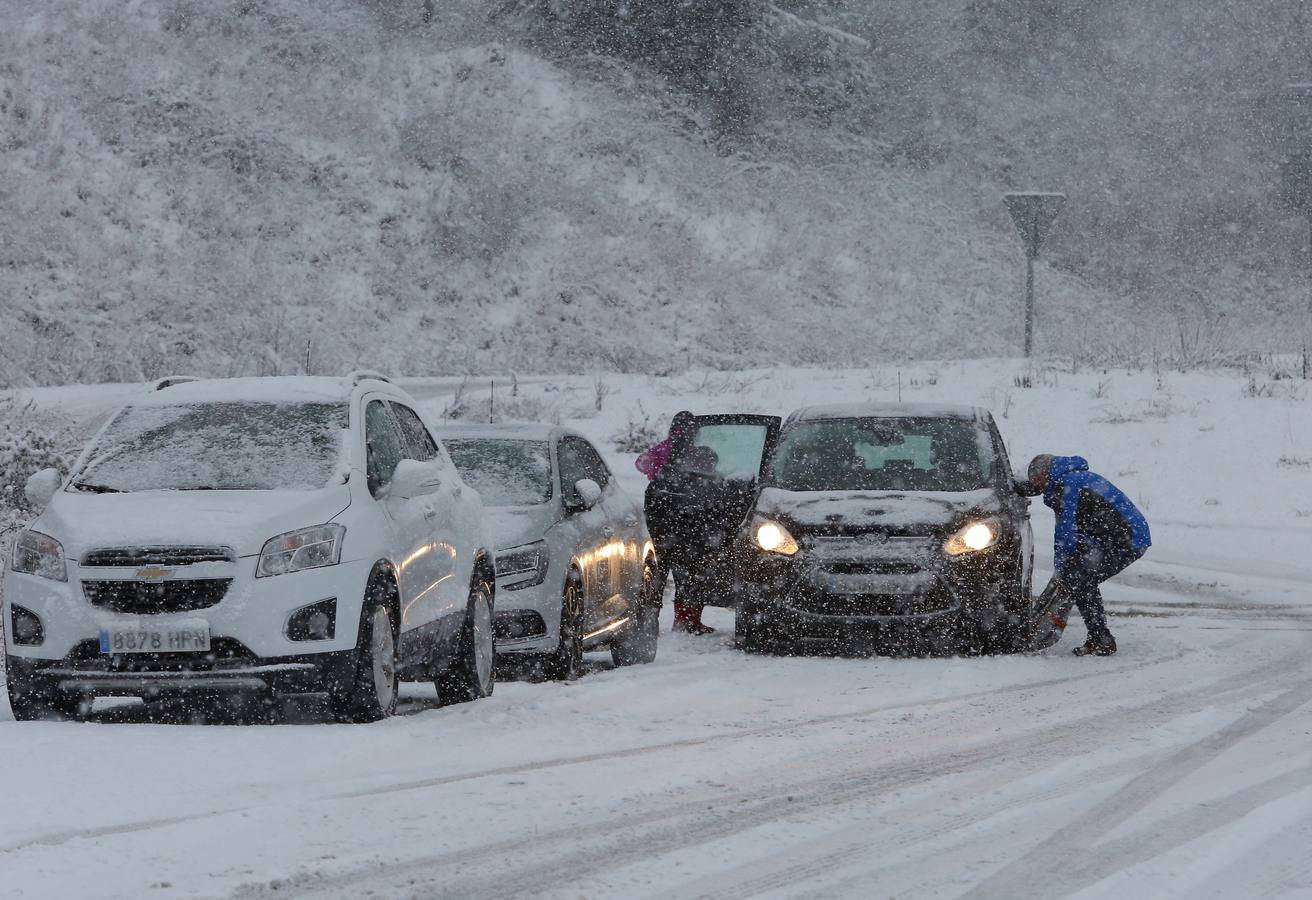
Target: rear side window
{"x": 419, "y": 444}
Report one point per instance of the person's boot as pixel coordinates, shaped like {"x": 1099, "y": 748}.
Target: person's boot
{"x": 1105, "y": 646}
{"x": 688, "y": 619}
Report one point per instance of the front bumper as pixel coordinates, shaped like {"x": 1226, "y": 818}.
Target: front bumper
{"x": 252, "y": 614}
{"x": 527, "y": 619}
{"x": 148, "y": 676}
{"x": 869, "y": 591}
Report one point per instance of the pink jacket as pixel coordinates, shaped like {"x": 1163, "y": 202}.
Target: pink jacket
{"x": 653, "y": 459}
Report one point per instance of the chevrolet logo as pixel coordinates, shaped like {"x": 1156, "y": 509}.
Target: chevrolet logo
{"x": 153, "y": 573}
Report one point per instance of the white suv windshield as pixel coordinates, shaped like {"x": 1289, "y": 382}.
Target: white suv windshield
{"x": 504, "y": 472}
{"x": 239, "y": 446}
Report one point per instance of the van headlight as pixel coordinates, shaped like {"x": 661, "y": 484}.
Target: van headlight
{"x": 308, "y": 548}
{"x": 972, "y": 537}
{"x": 41, "y": 555}
{"x": 773, "y": 537}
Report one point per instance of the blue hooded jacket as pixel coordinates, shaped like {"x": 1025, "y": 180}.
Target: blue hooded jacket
{"x": 1090, "y": 506}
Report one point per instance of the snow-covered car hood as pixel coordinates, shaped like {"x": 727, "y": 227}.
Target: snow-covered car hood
{"x": 875, "y": 509}
{"x": 515, "y": 525}
{"x": 243, "y": 520}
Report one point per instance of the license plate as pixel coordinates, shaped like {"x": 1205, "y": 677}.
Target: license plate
{"x": 179, "y": 637}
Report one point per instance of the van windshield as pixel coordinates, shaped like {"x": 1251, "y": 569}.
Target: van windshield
{"x": 883, "y": 454}
{"x": 238, "y": 446}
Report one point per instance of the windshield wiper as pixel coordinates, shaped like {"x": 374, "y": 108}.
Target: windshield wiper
{"x": 96, "y": 488}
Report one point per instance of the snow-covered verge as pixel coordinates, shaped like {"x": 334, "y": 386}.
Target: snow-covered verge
{"x": 1178, "y": 768}
{"x": 1199, "y": 451}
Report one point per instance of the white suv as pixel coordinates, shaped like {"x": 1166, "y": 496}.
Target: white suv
{"x": 262, "y": 535}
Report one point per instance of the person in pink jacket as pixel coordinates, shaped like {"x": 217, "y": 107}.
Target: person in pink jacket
{"x": 653, "y": 459}
{"x": 687, "y": 616}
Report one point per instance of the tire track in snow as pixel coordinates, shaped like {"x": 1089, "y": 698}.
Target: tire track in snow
{"x": 1189, "y": 825}
{"x": 1072, "y": 842}
{"x": 804, "y": 862}
{"x": 634, "y": 838}
{"x": 783, "y": 728}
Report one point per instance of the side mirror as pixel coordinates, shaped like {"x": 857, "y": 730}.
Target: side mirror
{"x": 414, "y": 479}
{"x": 1021, "y": 485}
{"x": 42, "y": 486}
{"x": 586, "y": 494}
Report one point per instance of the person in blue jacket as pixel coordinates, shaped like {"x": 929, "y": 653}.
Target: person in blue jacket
{"x": 1099, "y": 532}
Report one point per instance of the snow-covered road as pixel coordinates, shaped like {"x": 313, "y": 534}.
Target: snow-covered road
{"x": 1181, "y": 767}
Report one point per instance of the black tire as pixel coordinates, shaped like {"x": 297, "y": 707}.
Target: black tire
{"x": 32, "y": 701}
{"x": 472, "y": 675}
{"x": 751, "y": 632}
{"x": 371, "y": 693}
{"x": 566, "y": 662}
{"x": 637, "y": 644}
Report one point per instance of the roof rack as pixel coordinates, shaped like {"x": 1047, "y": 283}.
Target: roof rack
{"x": 169, "y": 380}
{"x": 360, "y": 375}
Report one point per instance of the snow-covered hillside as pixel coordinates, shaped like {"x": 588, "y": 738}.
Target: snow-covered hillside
{"x": 239, "y": 187}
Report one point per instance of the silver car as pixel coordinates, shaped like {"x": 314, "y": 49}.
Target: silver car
{"x": 575, "y": 566}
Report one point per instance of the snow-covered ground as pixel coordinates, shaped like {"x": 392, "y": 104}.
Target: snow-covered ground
{"x": 1180, "y": 768}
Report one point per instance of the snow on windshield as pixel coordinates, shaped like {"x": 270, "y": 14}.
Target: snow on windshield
{"x": 883, "y": 454}
{"x": 218, "y": 446}
{"x": 504, "y": 472}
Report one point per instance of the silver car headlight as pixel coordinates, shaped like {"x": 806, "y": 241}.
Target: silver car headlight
{"x": 295, "y": 551}
{"x": 973, "y": 537}
{"x": 523, "y": 566}
{"x": 41, "y": 555}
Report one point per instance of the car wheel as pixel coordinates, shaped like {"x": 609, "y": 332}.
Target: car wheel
{"x": 371, "y": 694}
{"x": 566, "y": 663}
{"x": 32, "y": 701}
{"x": 473, "y": 674}
{"x": 751, "y": 632}
{"x": 637, "y": 644}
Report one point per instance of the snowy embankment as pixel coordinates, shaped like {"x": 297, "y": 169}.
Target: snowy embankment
{"x": 1179, "y": 767}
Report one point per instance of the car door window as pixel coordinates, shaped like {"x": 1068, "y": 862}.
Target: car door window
{"x": 384, "y": 449}
{"x": 729, "y": 450}
{"x": 419, "y": 444}
{"x": 578, "y": 460}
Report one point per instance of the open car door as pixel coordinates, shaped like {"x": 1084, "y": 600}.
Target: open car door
{"x": 698, "y": 501}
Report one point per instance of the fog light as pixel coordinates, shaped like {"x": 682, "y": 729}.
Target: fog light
{"x": 513, "y": 624}
{"x": 26, "y": 627}
{"x": 316, "y": 622}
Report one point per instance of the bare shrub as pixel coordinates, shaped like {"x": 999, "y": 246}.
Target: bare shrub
{"x": 638, "y": 433}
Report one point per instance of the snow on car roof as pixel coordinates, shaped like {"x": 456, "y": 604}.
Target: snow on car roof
{"x": 268, "y": 389}
{"x": 889, "y": 410}
{"x": 527, "y": 431}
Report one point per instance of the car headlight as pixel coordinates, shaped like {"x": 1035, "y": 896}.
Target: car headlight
{"x": 972, "y": 537}
{"x": 772, "y": 537}
{"x": 39, "y": 554}
{"x": 524, "y": 566}
{"x": 308, "y": 548}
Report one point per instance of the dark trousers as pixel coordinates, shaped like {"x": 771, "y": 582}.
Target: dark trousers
{"x": 1091, "y": 565}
